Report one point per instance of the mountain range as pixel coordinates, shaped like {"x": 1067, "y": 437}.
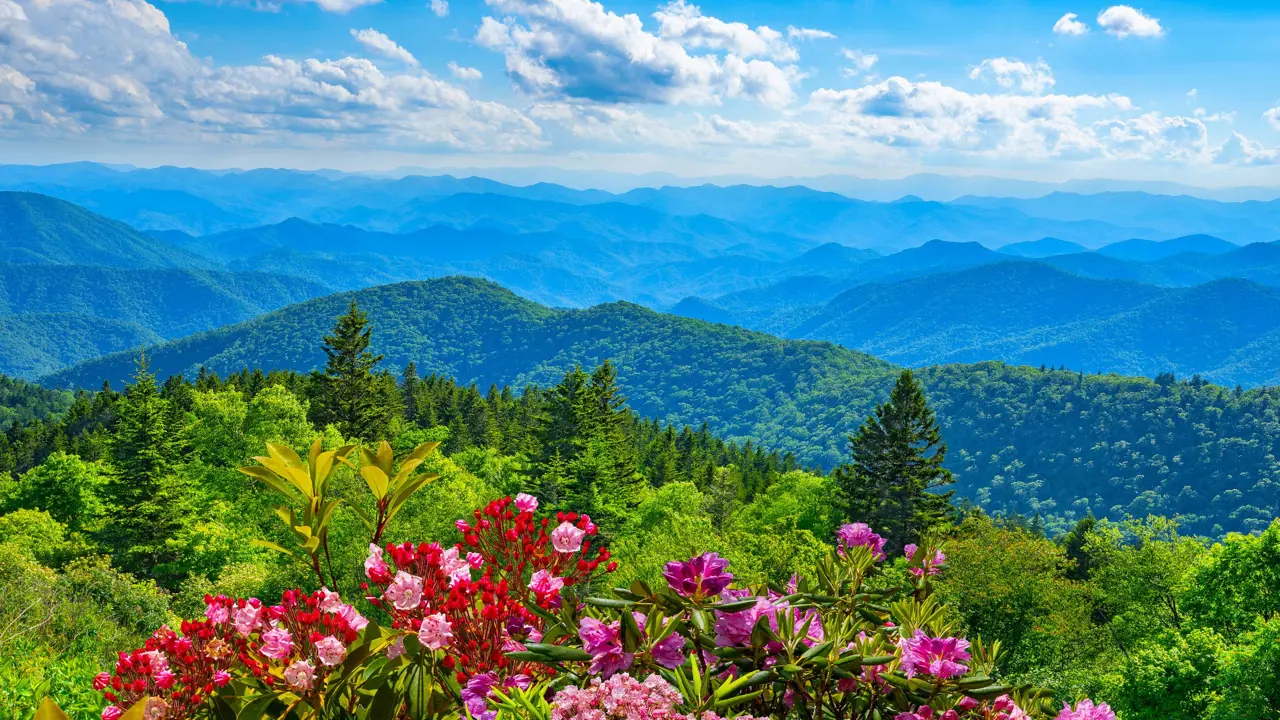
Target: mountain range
{"x": 1010, "y": 429}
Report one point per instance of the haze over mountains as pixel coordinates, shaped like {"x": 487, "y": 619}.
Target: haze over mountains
{"x": 911, "y": 281}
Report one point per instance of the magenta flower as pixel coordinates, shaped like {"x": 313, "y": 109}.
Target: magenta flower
{"x": 435, "y": 631}
{"x": 375, "y": 568}
{"x": 330, "y": 650}
{"x": 221, "y": 678}
{"x": 475, "y": 560}
{"x": 300, "y": 675}
{"x": 734, "y": 629}
{"x": 855, "y": 534}
{"x": 921, "y": 713}
{"x": 669, "y": 652}
{"x": 526, "y": 503}
{"x": 247, "y": 619}
{"x": 277, "y": 644}
{"x": 111, "y": 712}
{"x": 405, "y": 592}
{"x": 217, "y": 613}
{"x": 1007, "y": 709}
{"x": 604, "y": 643}
{"x": 544, "y": 583}
{"x": 939, "y": 657}
{"x": 567, "y": 538}
{"x": 1086, "y": 710}
{"x": 705, "y": 576}
{"x": 476, "y": 694}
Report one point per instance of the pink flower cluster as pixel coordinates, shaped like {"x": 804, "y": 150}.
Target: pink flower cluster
{"x": 733, "y": 629}
{"x": 604, "y": 642}
{"x": 620, "y": 697}
{"x": 926, "y": 565}
{"x": 939, "y": 657}
{"x": 1086, "y": 710}
{"x": 860, "y": 535}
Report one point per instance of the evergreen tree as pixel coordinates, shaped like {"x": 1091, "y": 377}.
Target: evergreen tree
{"x": 145, "y": 502}
{"x": 353, "y": 395}
{"x": 897, "y": 462}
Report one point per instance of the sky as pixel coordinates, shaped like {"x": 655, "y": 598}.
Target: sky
{"x": 1045, "y": 90}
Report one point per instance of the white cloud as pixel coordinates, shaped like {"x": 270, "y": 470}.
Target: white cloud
{"x": 859, "y": 62}
{"x": 1153, "y": 136}
{"x": 796, "y": 33}
{"x": 1013, "y": 74}
{"x": 1069, "y": 25}
{"x": 577, "y": 49}
{"x": 469, "y": 74}
{"x": 1240, "y": 150}
{"x": 1273, "y": 116}
{"x": 685, "y": 24}
{"x": 93, "y": 68}
{"x": 384, "y": 46}
{"x": 1192, "y": 93}
{"x": 1125, "y": 20}
{"x": 440, "y": 7}
{"x": 343, "y": 6}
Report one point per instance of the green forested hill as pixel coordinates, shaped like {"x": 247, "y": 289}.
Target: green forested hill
{"x": 1053, "y": 443}
{"x": 35, "y": 344}
{"x": 41, "y": 229}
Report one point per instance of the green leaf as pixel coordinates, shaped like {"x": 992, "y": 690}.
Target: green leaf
{"x": 49, "y": 710}
{"x": 609, "y": 602}
{"x": 559, "y": 652}
{"x": 272, "y": 546}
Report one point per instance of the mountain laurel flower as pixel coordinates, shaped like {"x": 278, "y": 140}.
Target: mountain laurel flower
{"x": 1086, "y": 710}
{"x": 277, "y": 644}
{"x": 217, "y": 613}
{"x": 330, "y": 601}
{"x": 435, "y": 631}
{"x": 457, "y": 566}
{"x": 544, "y": 583}
{"x": 300, "y": 675}
{"x": 247, "y": 619}
{"x": 101, "y": 681}
{"x": 352, "y": 617}
{"x": 859, "y": 534}
{"x": 375, "y": 568}
{"x": 405, "y": 592}
{"x": 526, "y": 503}
{"x": 395, "y": 649}
{"x": 567, "y": 538}
{"x": 331, "y": 651}
{"x": 155, "y": 709}
{"x": 221, "y": 678}
{"x": 620, "y": 697}
{"x": 704, "y": 576}
{"x": 475, "y": 560}
{"x": 165, "y": 680}
{"x": 111, "y": 712}
{"x": 939, "y": 657}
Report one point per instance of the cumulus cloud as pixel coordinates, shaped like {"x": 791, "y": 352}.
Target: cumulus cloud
{"x": 577, "y": 49}
{"x": 1125, "y": 20}
{"x": 1153, "y": 136}
{"x": 383, "y": 45}
{"x": 1069, "y": 25}
{"x": 469, "y": 74}
{"x": 1273, "y": 116}
{"x": 1013, "y": 74}
{"x": 859, "y": 62}
{"x": 1240, "y": 150}
{"x": 796, "y": 33}
{"x": 87, "y": 66}
{"x": 440, "y": 7}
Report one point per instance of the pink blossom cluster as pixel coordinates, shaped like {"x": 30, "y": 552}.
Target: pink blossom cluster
{"x": 1086, "y": 710}
{"x": 604, "y": 642}
{"x": 620, "y": 697}
{"x": 859, "y": 535}
{"x": 927, "y": 564}
{"x": 733, "y": 629}
{"x": 940, "y": 657}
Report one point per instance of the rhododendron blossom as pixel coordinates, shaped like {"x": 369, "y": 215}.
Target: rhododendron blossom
{"x": 1086, "y": 710}
{"x": 939, "y": 657}
{"x": 704, "y": 576}
{"x": 860, "y": 535}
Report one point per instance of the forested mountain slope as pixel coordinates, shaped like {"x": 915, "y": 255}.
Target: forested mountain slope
{"x": 1056, "y": 443}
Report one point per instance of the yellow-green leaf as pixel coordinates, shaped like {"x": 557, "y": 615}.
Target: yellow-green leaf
{"x": 49, "y": 710}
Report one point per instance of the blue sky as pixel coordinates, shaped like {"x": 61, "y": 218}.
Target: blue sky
{"x": 876, "y": 88}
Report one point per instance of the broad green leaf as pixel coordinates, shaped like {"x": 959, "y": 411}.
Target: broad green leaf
{"x": 49, "y": 710}
{"x": 272, "y": 546}
{"x": 376, "y": 479}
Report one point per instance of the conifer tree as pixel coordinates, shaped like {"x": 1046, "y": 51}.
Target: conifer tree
{"x": 145, "y": 502}
{"x": 897, "y": 464}
{"x": 354, "y": 396}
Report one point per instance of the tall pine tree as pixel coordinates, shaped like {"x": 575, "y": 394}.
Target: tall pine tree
{"x": 897, "y": 465}
{"x": 354, "y": 396}
{"x": 145, "y": 502}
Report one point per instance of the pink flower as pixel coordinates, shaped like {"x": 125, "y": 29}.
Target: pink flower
{"x": 221, "y": 678}
{"x": 247, "y": 619}
{"x": 355, "y": 620}
{"x": 375, "y": 568}
{"x": 704, "y": 576}
{"x": 669, "y": 653}
{"x": 165, "y": 679}
{"x": 859, "y": 534}
{"x": 1007, "y": 709}
{"x": 158, "y": 662}
{"x": 111, "y": 712}
{"x": 300, "y": 675}
{"x": 155, "y": 709}
{"x": 435, "y": 631}
{"x": 921, "y": 713}
{"x": 330, "y": 601}
{"x": 544, "y": 583}
{"x": 934, "y": 656}
{"x": 909, "y": 550}
{"x": 927, "y": 566}
{"x": 526, "y": 503}
{"x": 1086, "y": 710}
{"x": 331, "y": 651}
{"x": 457, "y": 567}
{"x": 217, "y": 613}
{"x": 405, "y": 592}
{"x": 395, "y": 649}
{"x": 620, "y": 697}
{"x": 475, "y": 560}
{"x": 101, "y": 681}
{"x": 567, "y": 538}
{"x": 277, "y": 644}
